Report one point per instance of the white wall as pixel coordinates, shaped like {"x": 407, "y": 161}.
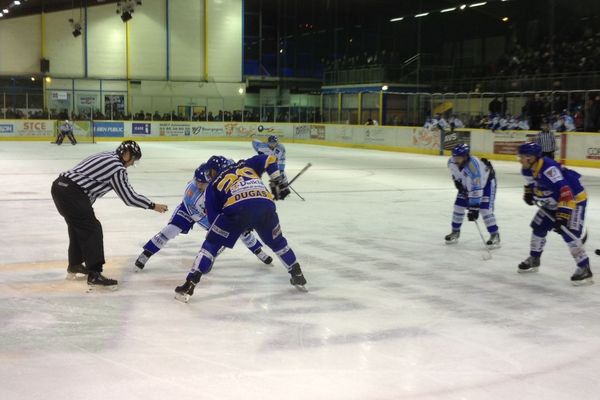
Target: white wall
{"x": 224, "y": 40}
{"x": 21, "y": 42}
{"x": 106, "y": 43}
{"x": 20, "y": 45}
{"x": 148, "y": 41}
{"x": 186, "y": 28}
{"x": 64, "y": 51}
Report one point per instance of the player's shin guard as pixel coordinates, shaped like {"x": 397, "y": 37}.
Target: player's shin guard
{"x": 490, "y": 220}
{"x": 457, "y": 217}
{"x": 255, "y": 246}
{"x": 537, "y": 243}
{"x": 206, "y": 257}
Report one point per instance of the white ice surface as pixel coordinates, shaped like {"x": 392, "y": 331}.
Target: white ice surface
{"x": 391, "y": 312}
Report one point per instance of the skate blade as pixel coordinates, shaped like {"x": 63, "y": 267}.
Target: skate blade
{"x": 73, "y": 276}
{"x": 101, "y": 288}
{"x": 137, "y": 269}
{"x": 449, "y": 242}
{"x": 528, "y": 271}
{"x": 584, "y": 282}
{"x": 184, "y": 298}
{"x": 493, "y": 246}
{"x": 300, "y": 288}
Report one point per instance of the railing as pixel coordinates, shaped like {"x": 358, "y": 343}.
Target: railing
{"x": 388, "y": 108}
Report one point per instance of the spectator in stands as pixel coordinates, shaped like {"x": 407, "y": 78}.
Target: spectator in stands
{"x": 495, "y": 107}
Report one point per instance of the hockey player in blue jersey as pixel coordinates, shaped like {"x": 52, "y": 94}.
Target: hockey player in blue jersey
{"x": 562, "y": 200}
{"x": 191, "y": 211}
{"x": 272, "y": 147}
{"x": 476, "y": 183}
{"x": 236, "y": 201}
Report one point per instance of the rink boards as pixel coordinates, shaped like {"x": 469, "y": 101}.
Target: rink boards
{"x": 574, "y": 148}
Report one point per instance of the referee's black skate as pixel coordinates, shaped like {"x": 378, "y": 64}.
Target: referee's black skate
{"x": 73, "y": 270}
{"x": 531, "y": 264}
{"x": 96, "y": 280}
{"x": 452, "y": 238}
{"x": 185, "y": 291}
{"x": 264, "y": 257}
{"x": 297, "y": 278}
{"x": 582, "y": 276}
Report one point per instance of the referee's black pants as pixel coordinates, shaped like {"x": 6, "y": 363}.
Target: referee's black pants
{"x": 549, "y": 154}
{"x": 86, "y": 241}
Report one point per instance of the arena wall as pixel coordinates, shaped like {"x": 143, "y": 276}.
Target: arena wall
{"x": 574, "y": 148}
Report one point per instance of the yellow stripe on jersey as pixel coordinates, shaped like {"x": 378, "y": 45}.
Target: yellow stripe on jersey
{"x": 270, "y": 160}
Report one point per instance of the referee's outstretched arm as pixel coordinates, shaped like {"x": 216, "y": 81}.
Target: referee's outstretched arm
{"x": 120, "y": 184}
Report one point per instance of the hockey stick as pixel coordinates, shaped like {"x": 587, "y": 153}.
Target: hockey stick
{"x": 299, "y": 174}
{"x": 297, "y": 194}
{"x": 488, "y": 254}
{"x": 562, "y": 227}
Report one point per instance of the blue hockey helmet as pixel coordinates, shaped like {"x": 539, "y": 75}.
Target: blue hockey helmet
{"x": 461, "y": 150}
{"x": 530, "y": 149}
{"x": 272, "y": 139}
{"x": 202, "y": 173}
{"x": 218, "y": 163}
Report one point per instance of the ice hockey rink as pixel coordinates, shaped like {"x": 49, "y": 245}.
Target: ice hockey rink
{"x": 391, "y": 311}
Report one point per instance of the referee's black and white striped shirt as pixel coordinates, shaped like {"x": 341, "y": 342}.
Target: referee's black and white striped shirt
{"x": 103, "y": 172}
{"x": 547, "y": 141}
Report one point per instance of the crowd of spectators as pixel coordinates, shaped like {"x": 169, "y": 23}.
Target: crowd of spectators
{"x": 282, "y": 115}
{"x": 564, "y": 56}
{"x": 361, "y": 60}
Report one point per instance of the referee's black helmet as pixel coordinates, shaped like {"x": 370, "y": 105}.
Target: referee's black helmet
{"x": 132, "y": 147}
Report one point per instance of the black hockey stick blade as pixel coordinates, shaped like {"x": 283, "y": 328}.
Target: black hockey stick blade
{"x": 300, "y": 173}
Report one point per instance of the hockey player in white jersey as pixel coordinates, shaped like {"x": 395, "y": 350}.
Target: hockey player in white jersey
{"x": 192, "y": 211}
{"x": 476, "y": 183}
{"x": 272, "y": 147}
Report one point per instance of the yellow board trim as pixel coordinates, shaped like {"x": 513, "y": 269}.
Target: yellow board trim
{"x": 205, "y": 40}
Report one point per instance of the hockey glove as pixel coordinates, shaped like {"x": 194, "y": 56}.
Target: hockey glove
{"x": 528, "y": 195}
{"x": 280, "y": 188}
{"x": 473, "y": 214}
{"x": 561, "y": 218}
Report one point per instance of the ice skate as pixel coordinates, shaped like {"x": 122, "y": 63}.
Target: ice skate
{"x": 452, "y": 238}
{"x": 494, "y": 241}
{"x": 297, "y": 278}
{"x": 185, "y": 291}
{"x": 73, "y": 270}
{"x": 531, "y": 264}
{"x": 582, "y": 276}
{"x": 264, "y": 257}
{"x": 97, "y": 281}
{"x": 142, "y": 259}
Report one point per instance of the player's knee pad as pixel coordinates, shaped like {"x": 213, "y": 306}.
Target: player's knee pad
{"x": 541, "y": 224}
{"x": 170, "y": 231}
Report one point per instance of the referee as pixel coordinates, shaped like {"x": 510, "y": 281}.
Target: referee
{"x": 76, "y": 190}
{"x": 546, "y": 140}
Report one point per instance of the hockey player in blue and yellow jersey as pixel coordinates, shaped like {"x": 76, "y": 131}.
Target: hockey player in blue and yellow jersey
{"x": 562, "y": 200}
{"x": 476, "y": 183}
{"x": 236, "y": 201}
{"x": 191, "y": 211}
